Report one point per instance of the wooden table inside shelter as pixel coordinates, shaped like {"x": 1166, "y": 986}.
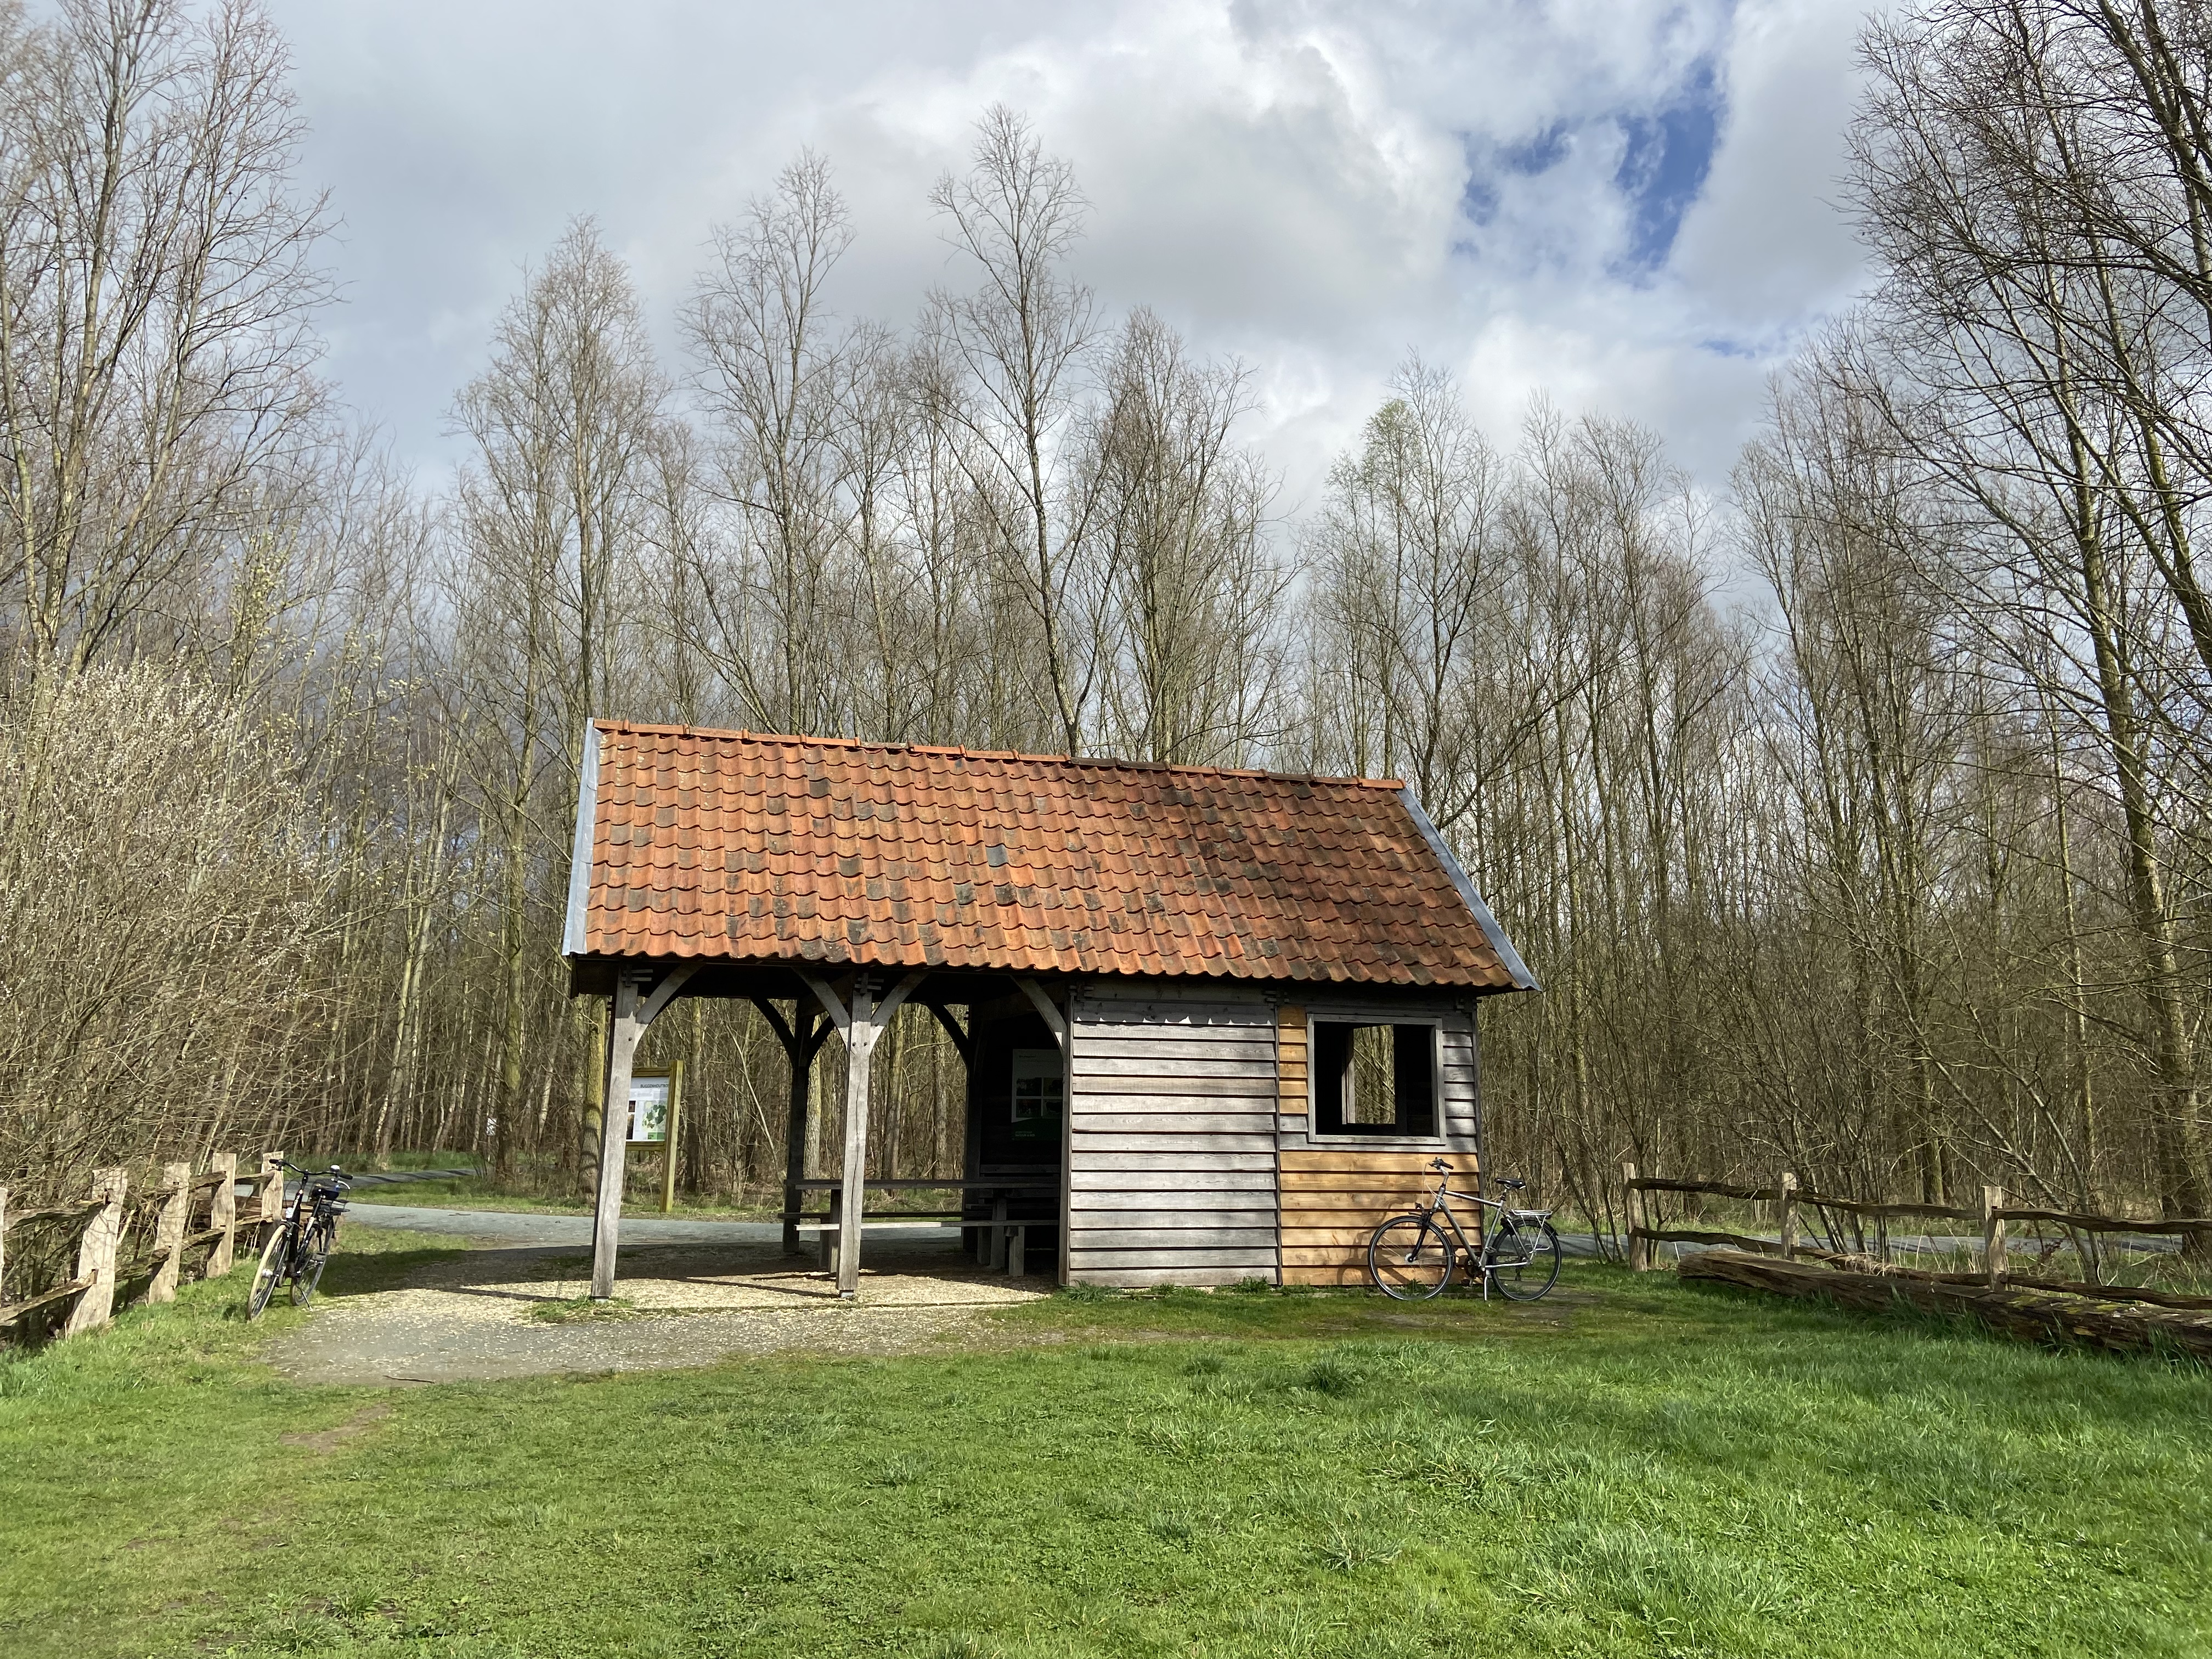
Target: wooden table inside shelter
{"x": 998, "y": 1227}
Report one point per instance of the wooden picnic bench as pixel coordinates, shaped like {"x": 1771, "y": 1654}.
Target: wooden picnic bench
{"x": 1004, "y": 1243}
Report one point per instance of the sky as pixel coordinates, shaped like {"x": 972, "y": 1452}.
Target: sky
{"x": 1622, "y": 206}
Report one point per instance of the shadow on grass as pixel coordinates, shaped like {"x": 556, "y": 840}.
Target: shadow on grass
{"x": 1960, "y": 1325}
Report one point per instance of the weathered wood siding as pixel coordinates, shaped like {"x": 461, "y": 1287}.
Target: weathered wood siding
{"x": 1171, "y": 1138}
{"x": 1335, "y": 1191}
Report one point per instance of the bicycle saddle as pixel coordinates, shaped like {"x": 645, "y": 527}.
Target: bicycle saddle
{"x": 1513, "y": 1183}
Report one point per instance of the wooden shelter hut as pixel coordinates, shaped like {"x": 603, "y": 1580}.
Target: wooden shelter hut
{"x": 1216, "y": 1022}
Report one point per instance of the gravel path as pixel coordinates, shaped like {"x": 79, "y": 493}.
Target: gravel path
{"x": 695, "y": 1292}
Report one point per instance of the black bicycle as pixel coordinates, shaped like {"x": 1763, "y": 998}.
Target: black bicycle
{"x": 297, "y": 1251}
{"x": 1412, "y": 1256}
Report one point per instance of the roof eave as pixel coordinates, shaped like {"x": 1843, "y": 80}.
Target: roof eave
{"x": 580, "y": 852}
{"x": 1507, "y": 957}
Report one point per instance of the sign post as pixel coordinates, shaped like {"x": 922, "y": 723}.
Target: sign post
{"x": 674, "y": 1149}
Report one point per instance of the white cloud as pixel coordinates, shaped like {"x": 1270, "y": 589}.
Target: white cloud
{"x": 1296, "y": 181}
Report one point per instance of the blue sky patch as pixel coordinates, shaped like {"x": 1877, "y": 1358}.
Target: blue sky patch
{"x": 1538, "y": 155}
{"x": 1664, "y": 164}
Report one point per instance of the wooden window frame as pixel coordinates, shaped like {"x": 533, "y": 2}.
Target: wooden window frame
{"x": 1439, "y": 1137}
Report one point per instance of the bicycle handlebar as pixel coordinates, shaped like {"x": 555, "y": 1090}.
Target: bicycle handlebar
{"x": 333, "y": 1175}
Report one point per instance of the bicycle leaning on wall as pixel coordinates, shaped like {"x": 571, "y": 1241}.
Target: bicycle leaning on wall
{"x": 1412, "y": 1256}
{"x": 303, "y": 1241}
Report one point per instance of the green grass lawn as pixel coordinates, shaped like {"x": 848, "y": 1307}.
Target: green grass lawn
{"x": 1634, "y": 1468}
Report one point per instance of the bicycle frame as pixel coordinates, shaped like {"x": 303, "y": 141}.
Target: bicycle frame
{"x": 1439, "y": 1203}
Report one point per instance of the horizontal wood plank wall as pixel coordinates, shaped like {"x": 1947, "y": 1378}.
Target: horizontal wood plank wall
{"x": 1334, "y": 1192}
{"x": 1171, "y": 1139}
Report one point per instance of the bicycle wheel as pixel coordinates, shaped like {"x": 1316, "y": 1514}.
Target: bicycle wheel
{"x": 1524, "y": 1259}
{"x": 275, "y": 1256}
{"x": 307, "y": 1270}
{"x": 1410, "y": 1258}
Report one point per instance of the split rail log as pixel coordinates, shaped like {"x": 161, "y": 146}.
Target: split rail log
{"x": 114, "y": 1246}
{"x": 2087, "y": 1316}
{"x": 1784, "y": 1194}
{"x": 1994, "y": 1216}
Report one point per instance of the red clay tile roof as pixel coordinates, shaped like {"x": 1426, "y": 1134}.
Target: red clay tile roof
{"x": 735, "y": 847}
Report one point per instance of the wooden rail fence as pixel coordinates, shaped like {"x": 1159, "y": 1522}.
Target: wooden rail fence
{"x": 1993, "y": 1218}
{"x": 122, "y": 1238}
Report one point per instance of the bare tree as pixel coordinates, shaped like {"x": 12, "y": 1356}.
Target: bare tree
{"x": 157, "y": 285}
{"x": 2033, "y": 352}
{"x": 566, "y": 426}
{"x": 1192, "y": 599}
{"x": 1023, "y": 338}
{"x": 770, "y": 373}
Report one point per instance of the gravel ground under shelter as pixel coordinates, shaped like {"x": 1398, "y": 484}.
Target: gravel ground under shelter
{"x": 719, "y": 1288}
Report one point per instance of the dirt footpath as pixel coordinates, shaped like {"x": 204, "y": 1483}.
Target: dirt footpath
{"x": 479, "y": 1315}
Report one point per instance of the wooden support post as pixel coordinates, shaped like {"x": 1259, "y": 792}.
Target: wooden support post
{"x": 801, "y": 1039}
{"x": 862, "y": 1022}
{"x": 624, "y": 1028}
{"x": 169, "y": 1231}
{"x": 801, "y": 1055}
{"x": 629, "y": 1011}
{"x": 222, "y": 1214}
{"x": 595, "y": 1112}
{"x": 675, "y": 1137}
{"x": 1786, "y": 1215}
{"x": 1632, "y": 1207}
{"x": 998, "y": 1233}
{"x": 860, "y": 1050}
{"x": 3, "y": 1246}
{"x": 95, "y": 1255}
{"x": 826, "y": 1248}
{"x": 1993, "y": 1235}
{"x": 271, "y": 1196}
{"x": 1057, "y": 1022}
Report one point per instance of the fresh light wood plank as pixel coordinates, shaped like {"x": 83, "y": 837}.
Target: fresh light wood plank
{"x": 1335, "y": 1191}
{"x": 1348, "y": 1255}
{"x": 1330, "y": 1238}
{"x": 1350, "y": 1160}
{"x": 1336, "y": 1275}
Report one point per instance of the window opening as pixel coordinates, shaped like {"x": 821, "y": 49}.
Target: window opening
{"x": 1039, "y": 1089}
{"x": 1374, "y": 1079}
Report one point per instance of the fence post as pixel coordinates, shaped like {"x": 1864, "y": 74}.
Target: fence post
{"x": 674, "y": 1149}
{"x": 1993, "y": 1235}
{"x": 95, "y": 1255}
{"x": 271, "y": 1194}
{"x": 1632, "y": 1205}
{"x": 1786, "y": 1215}
{"x": 169, "y": 1231}
{"x": 222, "y": 1212}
